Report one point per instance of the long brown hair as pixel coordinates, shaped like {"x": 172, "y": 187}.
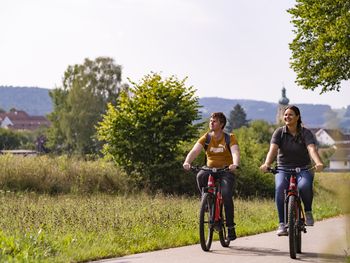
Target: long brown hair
{"x": 296, "y": 110}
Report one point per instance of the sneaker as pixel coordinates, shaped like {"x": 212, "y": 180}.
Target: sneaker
{"x": 309, "y": 218}
{"x": 282, "y": 230}
{"x": 231, "y": 233}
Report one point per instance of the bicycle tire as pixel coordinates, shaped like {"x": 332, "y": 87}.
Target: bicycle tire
{"x": 205, "y": 221}
{"x": 299, "y": 229}
{"x": 225, "y": 242}
{"x": 298, "y": 241}
{"x": 292, "y": 226}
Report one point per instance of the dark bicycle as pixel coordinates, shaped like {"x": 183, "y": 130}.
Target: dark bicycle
{"x": 212, "y": 215}
{"x": 294, "y": 215}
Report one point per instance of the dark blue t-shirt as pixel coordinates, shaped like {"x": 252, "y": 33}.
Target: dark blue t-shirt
{"x": 292, "y": 150}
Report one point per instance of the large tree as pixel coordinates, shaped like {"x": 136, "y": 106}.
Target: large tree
{"x": 237, "y": 118}
{"x": 321, "y": 48}
{"x": 144, "y": 133}
{"x": 79, "y": 104}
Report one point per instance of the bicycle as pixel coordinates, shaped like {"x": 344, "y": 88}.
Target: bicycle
{"x": 294, "y": 215}
{"x": 212, "y": 215}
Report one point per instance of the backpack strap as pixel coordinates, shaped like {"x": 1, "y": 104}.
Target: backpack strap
{"x": 228, "y": 140}
{"x": 207, "y": 141}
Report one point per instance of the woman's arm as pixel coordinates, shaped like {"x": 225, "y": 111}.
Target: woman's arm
{"x": 271, "y": 156}
{"x": 315, "y": 157}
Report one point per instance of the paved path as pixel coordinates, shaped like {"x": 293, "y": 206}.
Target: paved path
{"x": 328, "y": 241}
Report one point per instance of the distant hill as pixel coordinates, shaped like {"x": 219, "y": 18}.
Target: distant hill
{"x": 33, "y": 100}
{"x": 36, "y": 101}
{"x": 313, "y": 115}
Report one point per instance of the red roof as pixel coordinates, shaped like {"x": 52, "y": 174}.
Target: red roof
{"x": 22, "y": 121}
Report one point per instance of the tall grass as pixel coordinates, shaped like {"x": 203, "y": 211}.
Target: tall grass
{"x": 44, "y": 174}
{"x": 96, "y": 216}
{"x": 71, "y": 228}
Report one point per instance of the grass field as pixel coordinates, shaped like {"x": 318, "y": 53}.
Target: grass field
{"x": 75, "y": 227}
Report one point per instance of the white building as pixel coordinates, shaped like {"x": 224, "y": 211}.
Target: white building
{"x": 329, "y": 137}
{"x": 340, "y": 160}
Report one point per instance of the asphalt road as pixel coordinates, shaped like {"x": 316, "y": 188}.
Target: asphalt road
{"x": 327, "y": 241}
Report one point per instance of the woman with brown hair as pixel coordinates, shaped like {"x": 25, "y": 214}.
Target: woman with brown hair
{"x": 293, "y": 145}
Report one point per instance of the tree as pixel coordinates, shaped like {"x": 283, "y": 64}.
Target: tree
{"x": 253, "y": 144}
{"x": 80, "y": 102}
{"x": 237, "y": 119}
{"x": 321, "y": 48}
{"x": 144, "y": 133}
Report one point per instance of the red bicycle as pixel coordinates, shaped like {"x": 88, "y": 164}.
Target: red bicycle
{"x": 294, "y": 215}
{"x": 212, "y": 215}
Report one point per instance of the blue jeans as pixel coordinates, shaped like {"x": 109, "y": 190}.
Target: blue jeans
{"x": 305, "y": 182}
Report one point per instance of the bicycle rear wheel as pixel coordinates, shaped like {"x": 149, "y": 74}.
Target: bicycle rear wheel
{"x": 225, "y": 242}
{"x": 206, "y": 221}
{"x": 292, "y": 226}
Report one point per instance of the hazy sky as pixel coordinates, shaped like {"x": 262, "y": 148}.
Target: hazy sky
{"x": 227, "y": 48}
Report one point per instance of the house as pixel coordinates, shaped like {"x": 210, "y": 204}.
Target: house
{"x": 20, "y": 120}
{"x": 331, "y": 137}
{"x": 340, "y": 160}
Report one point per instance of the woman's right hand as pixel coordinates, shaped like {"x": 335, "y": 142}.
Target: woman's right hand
{"x": 186, "y": 166}
{"x": 264, "y": 167}
{"x": 319, "y": 167}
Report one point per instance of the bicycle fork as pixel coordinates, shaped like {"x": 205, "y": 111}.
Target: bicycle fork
{"x": 293, "y": 191}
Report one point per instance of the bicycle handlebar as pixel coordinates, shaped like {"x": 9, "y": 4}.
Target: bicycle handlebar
{"x": 210, "y": 169}
{"x": 290, "y": 170}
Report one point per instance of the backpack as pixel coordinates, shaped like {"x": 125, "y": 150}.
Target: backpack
{"x": 207, "y": 141}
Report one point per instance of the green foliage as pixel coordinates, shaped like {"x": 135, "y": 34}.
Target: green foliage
{"x": 43, "y": 174}
{"x": 325, "y": 154}
{"x": 10, "y": 140}
{"x": 143, "y": 133}
{"x": 253, "y": 144}
{"x": 321, "y": 48}
{"x": 237, "y": 118}
{"x": 80, "y": 103}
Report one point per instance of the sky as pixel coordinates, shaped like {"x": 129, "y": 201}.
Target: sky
{"x": 229, "y": 49}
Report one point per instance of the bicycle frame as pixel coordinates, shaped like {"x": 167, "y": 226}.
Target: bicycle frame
{"x": 215, "y": 189}
{"x": 212, "y": 216}
{"x": 293, "y": 191}
{"x": 294, "y": 216}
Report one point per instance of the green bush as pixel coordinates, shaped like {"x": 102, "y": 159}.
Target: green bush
{"x": 143, "y": 133}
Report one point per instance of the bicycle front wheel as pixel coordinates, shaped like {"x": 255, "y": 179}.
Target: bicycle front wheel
{"x": 292, "y": 226}
{"x": 225, "y": 242}
{"x": 206, "y": 219}
{"x": 299, "y": 228}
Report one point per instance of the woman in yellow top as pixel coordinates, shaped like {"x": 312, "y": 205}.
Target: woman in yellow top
{"x": 218, "y": 156}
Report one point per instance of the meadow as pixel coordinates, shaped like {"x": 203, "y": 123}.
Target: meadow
{"x": 78, "y": 226}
